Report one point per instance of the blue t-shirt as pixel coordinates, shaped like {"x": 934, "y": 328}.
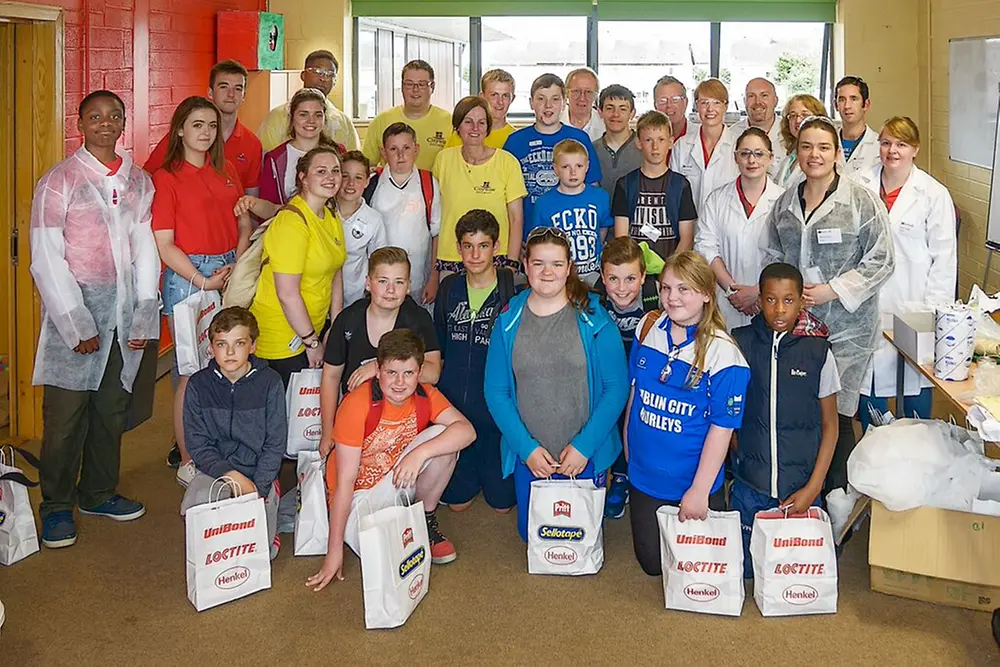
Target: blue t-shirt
{"x": 849, "y": 145}
{"x": 582, "y": 217}
{"x": 534, "y": 151}
{"x": 669, "y": 420}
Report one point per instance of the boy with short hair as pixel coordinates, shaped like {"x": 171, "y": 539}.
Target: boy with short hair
{"x": 533, "y": 145}
{"x": 234, "y": 418}
{"x": 782, "y": 463}
{"x": 364, "y": 228}
{"x": 385, "y": 445}
{"x": 466, "y": 308}
{"x": 497, "y": 88}
{"x": 582, "y": 211}
{"x": 653, "y": 203}
{"x": 617, "y": 150}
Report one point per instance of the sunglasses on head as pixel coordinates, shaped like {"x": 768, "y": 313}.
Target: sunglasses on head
{"x": 542, "y": 232}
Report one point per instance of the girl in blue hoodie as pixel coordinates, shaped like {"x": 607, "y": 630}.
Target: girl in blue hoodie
{"x": 556, "y": 380}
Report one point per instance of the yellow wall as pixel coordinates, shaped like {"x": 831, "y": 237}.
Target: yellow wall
{"x": 311, "y": 25}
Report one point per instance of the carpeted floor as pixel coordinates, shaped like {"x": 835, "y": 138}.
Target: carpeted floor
{"x": 118, "y": 598}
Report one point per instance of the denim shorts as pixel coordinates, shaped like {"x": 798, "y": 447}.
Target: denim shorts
{"x": 176, "y": 289}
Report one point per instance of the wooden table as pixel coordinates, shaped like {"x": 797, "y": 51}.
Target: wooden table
{"x": 952, "y": 390}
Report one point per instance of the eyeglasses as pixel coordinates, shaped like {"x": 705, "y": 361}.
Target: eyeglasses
{"x": 542, "y": 232}
{"x": 673, "y": 99}
{"x": 582, "y": 92}
{"x": 709, "y": 103}
{"x": 746, "y": 153}
{"x": 418, "y": 85}
{"x": 798, "y": 116}
{"x": 327, "y": 74}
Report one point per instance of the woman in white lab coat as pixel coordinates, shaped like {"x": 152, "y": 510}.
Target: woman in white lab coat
{"x": 922, "y": 218}
{"x": 797, "y": 109}
{"x": 705, "y": 157}
{"x": 731, "y": 224}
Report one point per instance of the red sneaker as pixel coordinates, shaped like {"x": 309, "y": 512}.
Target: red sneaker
{"x": 442, "y": 550}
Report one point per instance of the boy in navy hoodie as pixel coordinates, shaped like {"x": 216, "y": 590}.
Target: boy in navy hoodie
{"x": 794, "y": 404}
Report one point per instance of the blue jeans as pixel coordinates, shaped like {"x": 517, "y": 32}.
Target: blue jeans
{"x": 748, "y": 501}
{"x": 176, "y": 289}
{"x": 919, "y": 404}
{"x": 523, "y": 478}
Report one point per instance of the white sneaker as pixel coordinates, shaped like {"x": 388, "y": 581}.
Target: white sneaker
{"x": 186, "y": 473}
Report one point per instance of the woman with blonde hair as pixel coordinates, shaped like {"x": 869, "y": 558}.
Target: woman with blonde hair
{"x": 797, "y": 109}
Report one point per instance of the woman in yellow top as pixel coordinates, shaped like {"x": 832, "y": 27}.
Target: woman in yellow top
{"x": 475, "y": 176}
{"x": 300, "y": 281}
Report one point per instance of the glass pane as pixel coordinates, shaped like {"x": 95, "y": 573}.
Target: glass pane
{"x": 528, "y": 47}
{"x": 386, "y": 77}
{"x": 367, "y": 90}
{"x": 637, "y": 53}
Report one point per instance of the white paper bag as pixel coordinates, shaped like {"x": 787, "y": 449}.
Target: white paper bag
{"x": 312, "y": 523}
{"x": 228, "y": 556}
{"x": 192, "y": 317}
{"x": 395, "y": 563}
{"x": 565, "y": 527}
{"x": 302, "y": 405}
{"x": 794, "y": 563}
{"x": 18, "y": 535}
{"x": 702, "y": 562}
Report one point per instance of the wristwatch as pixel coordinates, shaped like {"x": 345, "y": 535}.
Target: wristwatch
{"x": 313, "y": 345}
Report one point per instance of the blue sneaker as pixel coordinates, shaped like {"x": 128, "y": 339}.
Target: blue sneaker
{"x": 118, "y": 508}
{"x": 58, "y": 530}
{"x": 617, "y": 498}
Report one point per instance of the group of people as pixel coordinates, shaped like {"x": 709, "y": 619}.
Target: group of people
{"x": 489, "y": 305}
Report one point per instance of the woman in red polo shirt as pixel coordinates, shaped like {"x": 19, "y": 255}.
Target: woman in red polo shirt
{"x": 198, "y": 235}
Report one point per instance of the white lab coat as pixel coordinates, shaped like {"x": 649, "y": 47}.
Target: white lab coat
{"x": 865, "y": 155}
{"x": 94, "y": 261}
{"x": 923, "y": 235}
{"x": 594, "y": 128}
{"x": 688, "y": 158}
{"x": 777, "y": 147}
{"x": 724, "y": 231}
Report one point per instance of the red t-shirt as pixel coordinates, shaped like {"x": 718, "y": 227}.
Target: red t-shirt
{"x": 114, "y": 165}
{"x": 890, "y": 197}
{"x": 747, "y": 206}
{"x": 242, "y": 148}
{"x": 198, "y": 205}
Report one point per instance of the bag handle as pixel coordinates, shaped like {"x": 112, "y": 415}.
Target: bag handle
{"x": 223, "y": 482}
{"x": 18, "y": 477}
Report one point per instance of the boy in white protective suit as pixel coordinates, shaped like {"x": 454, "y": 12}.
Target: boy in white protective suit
{"x": 95, "y": 264}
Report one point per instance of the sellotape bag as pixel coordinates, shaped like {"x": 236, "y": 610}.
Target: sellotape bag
{"x": 312, "y": 523}
{"x": 794, "y": 563}
{"x": 395, "y": 563}
{"x": 228, "y": 556}
{"x": 565, "y": 527}
{"x": 18, "y": 535}
{"x": 192, "y": 317}
{"x": 702, "y": 562}
{"x": 305, "y": 427}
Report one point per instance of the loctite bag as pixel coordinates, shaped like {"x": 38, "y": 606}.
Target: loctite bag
{"x": 305, "y": 427}
{"x": 312, "y": 523}
{"x": 192, "y": 317}
{"x": 565, "y": 527}
{"x": 702, "y": 562}
{"x": 794, "y": 563}
{"x": 18, "y": 535}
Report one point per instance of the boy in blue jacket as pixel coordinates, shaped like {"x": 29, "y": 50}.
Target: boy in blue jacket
{"x": 234, "y": 418}
{"x": 790, "y": 423}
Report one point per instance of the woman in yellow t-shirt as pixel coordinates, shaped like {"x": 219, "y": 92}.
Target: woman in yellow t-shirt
{"x": 475, "y": 176}
{"x": 300, "y": 281}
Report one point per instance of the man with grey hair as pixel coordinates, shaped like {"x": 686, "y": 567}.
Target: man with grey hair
{"x": 670, "y": 97}
{"x": 581, "y": 89}
{"x": 761, "y": 100}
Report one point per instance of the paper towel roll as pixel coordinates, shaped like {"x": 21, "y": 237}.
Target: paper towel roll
{"x": 954, "y": 342}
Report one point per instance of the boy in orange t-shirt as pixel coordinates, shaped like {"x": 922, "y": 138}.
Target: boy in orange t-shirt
{"x": 391, "y": 434}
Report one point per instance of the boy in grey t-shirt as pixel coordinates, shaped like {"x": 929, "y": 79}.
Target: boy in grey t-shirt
{"x": 617, "y": 150}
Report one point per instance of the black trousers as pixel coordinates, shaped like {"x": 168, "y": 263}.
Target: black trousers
{"x": 836, "y": 476}
{"x": 646, "y": 531}
{"x": 286, "y": 367}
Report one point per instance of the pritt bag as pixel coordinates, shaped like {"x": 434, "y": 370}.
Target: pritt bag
{"x": 702, "y": 562}
{"x": 794, "y": 563}
{"x": 565, "y": 527}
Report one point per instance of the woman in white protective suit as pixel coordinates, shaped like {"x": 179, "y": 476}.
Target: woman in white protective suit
{"x": 922, "y": 218}
{"x": 731, "y": 224}
{"x": 837, "y": 233}
{"x": 94, "y": 262}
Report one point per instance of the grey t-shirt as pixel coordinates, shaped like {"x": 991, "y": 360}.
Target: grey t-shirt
{"x": 615, "y": 164}
{"x": 550, "y": 371}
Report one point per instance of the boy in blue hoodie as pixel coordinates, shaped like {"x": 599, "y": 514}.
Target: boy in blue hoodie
{"x": 790, "y": 423}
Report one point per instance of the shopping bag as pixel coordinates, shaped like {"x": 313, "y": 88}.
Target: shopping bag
{"x": 18, "y": 535}
{"x": 228, "y": 556}
{"x": 794, "y": 563}
{"x": 302, "y": 406}
{"x": 702, "y": 562}
{"x": 395, "y": 563}
{"x": 312, "y": 524}
{"x": 192, "y": 317}
{"x": 565, "y": 527}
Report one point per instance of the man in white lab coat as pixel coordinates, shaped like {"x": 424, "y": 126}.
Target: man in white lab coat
{"x": 761, "y": 100}
{"x": 95, "y": 264}
{"x": 860, "y": 142}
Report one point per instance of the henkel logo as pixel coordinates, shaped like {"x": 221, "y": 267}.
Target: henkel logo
{"x": 407, "y": 537}
{"x": 701, "y": 592}
{"x": 313, "y": 432}
{"x": 229, "y": 528}
{"x": 562, "y": 508}
{"x": 560, "y": 555}
{"x": 234, "y": 577}
{"x": 416, "y": 586}
{"x": 800, "y": 594}
{"x": 308, "y": 391}
{"x": 783, "y": 542}
{"x": 702, "y": 539}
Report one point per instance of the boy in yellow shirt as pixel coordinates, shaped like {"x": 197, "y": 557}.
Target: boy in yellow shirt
{"x": 497, "y": 88}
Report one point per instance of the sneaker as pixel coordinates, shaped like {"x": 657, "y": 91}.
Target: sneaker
{"x": 442, "y": 550}
{"x": 118, "y": 508}
{"x": 174, "y": 456}
{"x": 186, "y": 473}
{"x": 617, "y": 498}
{"x": 58, "y": 530}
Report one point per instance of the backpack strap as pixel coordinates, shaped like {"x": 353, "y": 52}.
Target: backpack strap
{"x": 505, "y": 292}
{"x": 632, "y": 192}
{"x": 423, "y": 402}
{"x": 259, "y": 232}
{"x": 427, "y": 188}
{"x": 372, "y": 184}
{"x": 378, "y": 401}
{"x": 648, "y": 323}
{"x": 675, "y": 189}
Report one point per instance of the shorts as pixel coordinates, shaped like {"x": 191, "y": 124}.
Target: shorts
{"x": 176, "y": 289}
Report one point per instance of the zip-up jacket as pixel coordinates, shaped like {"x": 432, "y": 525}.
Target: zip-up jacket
{"x": 238, "y": 425}
{"x": 782, "y": 428}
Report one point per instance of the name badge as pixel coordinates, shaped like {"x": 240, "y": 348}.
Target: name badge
{"x": 829, "y": 236}
{"x": 295, "y": 343}
{"x": 651, "y": 232}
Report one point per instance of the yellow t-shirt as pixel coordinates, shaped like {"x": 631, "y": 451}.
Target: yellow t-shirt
{"x": 314, "y": 250}
{"x": 491, "y": 186}
{"x": 495, "y": 139}
{"x": 432, "y": 132}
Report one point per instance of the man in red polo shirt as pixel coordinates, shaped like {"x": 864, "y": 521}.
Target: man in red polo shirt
{"x": 226, "y": 88}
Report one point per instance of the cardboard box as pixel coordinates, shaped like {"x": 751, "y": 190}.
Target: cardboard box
{"x": 936, "y": 555}
{"x": 913, "y": 333}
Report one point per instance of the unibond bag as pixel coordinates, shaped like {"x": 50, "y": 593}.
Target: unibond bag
{"x": 565, "y": 527}
{"x": 794, "y": 563}
{"x": 305, "y": 427}
{"x": 702, "y": 562}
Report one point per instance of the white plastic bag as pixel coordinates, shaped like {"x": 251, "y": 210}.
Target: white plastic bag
{"x": 305, "y": 427}
{"x": 702, "y": 562}
{"x": 312, "y": 523}
{"x": 565, "y": 527}
{"x": 18, "y": 535}
{"x": 192, "y": 317}
{"x": 794, "y": 563}
{"x": 395, "y": 563}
